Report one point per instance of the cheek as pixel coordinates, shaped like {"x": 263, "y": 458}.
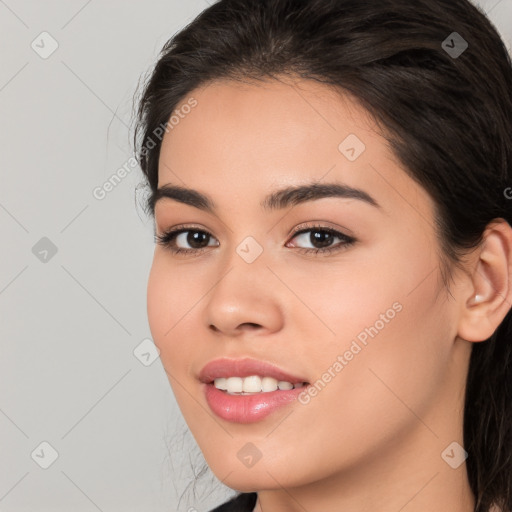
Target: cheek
{"x": 160, "y": 303}
{"x": 381, "y": 311}
{"x": 391, "y": 330}
{"x": 361, "y": 295}
{"x": 171, "y": 298}
{"x": 398, "y": 369}
{"x": 171, "y": 302}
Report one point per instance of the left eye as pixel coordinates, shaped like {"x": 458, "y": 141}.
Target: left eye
{"x": 321, "y": 239}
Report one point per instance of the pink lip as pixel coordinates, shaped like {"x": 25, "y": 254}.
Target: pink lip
{"x": 244, "y": 368}
{"x": 246, "y": 408}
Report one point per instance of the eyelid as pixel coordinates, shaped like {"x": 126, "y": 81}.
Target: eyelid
{"x": 299, "y": 229}
{"x": 168, "y": 237}
{"x": 323, "y": 224}
{"x": 320, "y": 224}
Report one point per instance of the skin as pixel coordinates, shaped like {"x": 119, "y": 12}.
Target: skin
{"x": 372, "y": 438}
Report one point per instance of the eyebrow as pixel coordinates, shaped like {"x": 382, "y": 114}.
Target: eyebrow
{"x": 280, "y": 199}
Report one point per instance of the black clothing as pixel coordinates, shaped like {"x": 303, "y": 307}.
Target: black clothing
{"x": 243, "y": 502}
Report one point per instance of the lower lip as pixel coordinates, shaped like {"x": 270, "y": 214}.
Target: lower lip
{"x": 248, "y": 408}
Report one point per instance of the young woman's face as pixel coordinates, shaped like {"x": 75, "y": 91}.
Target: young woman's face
{"x": 367, "y": 325}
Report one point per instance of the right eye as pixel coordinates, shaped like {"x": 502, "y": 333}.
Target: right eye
{"x": 183, "y": 235}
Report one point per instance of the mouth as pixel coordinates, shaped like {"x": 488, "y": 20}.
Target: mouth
{"x": 248, "y": 376}
{"x": 248, "y": 390}
{"x": 254, "y": 384}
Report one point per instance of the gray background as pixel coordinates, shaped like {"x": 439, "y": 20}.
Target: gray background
{"x": 73, "y": 371}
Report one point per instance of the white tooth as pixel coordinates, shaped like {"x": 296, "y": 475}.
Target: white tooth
{"x": 268, "y": 384}
{"x": 220, "y": 383}
{"x": 251, "y": 384}
{"x": 234, "y": 384}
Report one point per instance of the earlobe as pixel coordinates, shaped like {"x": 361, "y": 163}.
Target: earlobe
{"x": 491, "y": 285}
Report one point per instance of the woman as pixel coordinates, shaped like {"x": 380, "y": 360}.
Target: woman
{"x": 331, "y": 289}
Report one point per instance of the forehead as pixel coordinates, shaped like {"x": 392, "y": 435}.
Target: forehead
{"x": 276, "y": 115}
{"x": 243, "y": 139}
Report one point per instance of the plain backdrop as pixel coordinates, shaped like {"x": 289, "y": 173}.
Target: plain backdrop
{"x": 88, "y": 421}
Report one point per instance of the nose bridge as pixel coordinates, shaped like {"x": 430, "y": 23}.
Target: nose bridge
{"x": 244, "y": 271}
{"x": 243, "y": 293}
{"x": 249, "y": 250}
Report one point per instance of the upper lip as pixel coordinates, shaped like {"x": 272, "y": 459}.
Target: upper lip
{"x": 224, "y": 367}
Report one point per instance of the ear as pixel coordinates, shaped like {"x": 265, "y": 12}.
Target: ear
{"x": 491, "y": 283}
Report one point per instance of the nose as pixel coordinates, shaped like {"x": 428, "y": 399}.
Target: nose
{"x": 246, "y": 298}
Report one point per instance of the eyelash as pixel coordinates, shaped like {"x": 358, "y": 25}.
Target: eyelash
{"x": 167, "y": 239}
